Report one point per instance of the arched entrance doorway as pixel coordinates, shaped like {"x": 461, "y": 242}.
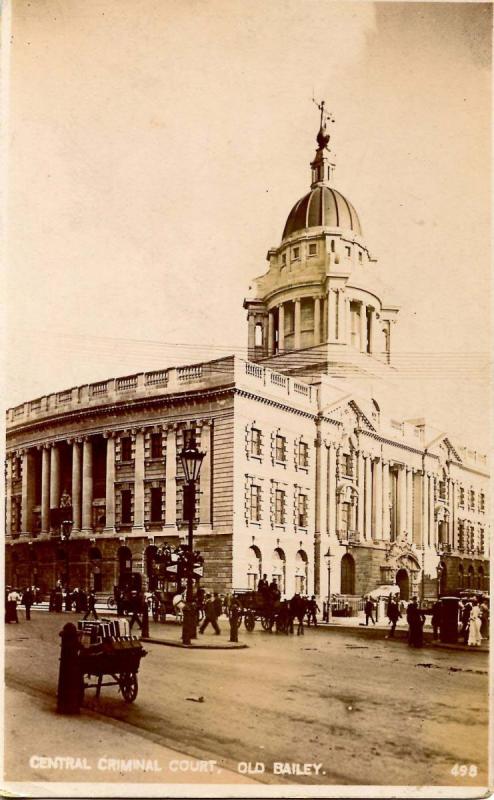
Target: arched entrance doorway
{"x": 301, "y": 572}
{"x": 403, "y": 583}
{"x": 96, "y": 577}
{"x": 126, "y": 579}
{"x": 347, "y": 574}
{"x": 279, "y": 569}
{"x": 254, "y": 567}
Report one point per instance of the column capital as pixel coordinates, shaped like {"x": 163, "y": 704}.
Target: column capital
{"x": 109, "y": 434}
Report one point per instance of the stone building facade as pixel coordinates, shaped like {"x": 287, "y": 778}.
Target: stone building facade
{"x": 305, "y": 478}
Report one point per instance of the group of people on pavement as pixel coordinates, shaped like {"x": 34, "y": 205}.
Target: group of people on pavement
{"x": 474, "y": 619}
{"x": 13, "y": 598}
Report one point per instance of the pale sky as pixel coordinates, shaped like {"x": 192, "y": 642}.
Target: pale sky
{"x": 155, "y": 150}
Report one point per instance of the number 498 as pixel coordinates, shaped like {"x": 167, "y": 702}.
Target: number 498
{"x": 464, "y": 770}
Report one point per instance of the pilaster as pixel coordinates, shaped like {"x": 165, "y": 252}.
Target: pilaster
{"x": 87, "y": 485}
{"x": 139, "y": 480}
{"x": 205, "y": 474}
{"x": 110, "y": 482}
{"x": 171, "y": 477}
{"x": 76, "y": 485}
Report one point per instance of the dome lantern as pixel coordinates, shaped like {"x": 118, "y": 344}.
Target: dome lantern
{"x": 323, "y": 164}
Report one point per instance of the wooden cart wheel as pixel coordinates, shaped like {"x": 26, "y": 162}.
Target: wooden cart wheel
{"x": 250, "y": 621}
{"x": 128, "y": 686}
{"x": 266, "y": 623}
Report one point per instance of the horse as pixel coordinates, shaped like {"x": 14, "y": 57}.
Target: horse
{"x": 178, "y": 603}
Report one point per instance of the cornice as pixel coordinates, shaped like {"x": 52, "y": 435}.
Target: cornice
{"x": 274, "y": 403}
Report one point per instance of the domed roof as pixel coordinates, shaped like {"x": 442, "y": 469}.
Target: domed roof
{"x": 323, "y": 206}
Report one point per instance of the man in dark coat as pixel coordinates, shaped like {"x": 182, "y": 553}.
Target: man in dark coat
{"x": 369, "y": 611}
{"x": 465, "y": 620}
{"x": 312, "y": 609}
{"x": 297, "y": 611}
{"x": 91, "y": 605}
{"x": 210, "y": 616}
{"x": 393, "y": 614}
{"x": 218, "y": 605}
{"x": 27, "y": 601}
{"x": 263, "y": 586}
{"x": 415, "y": 619}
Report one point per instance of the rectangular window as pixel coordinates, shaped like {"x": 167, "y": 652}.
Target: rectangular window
{"x": 360, "y": 256}
{"x": 303, "y": 454}
{"x": 189, "y": 438}
{"x": 283, "y": 260}
{"x": 280, "y": 507}
{"x": 482, "y": 502}
{"x": 156, "y": 498}
{"x": 461, "y": 501}
{"x": 255, "y": 503}
{"x": 481, "y": 540}
{"x": 302, "y": 510}
{"x": 280, "y": 446}
{"x": 347, "y": 465}
{"x": 461, "y": 536}
{"x": 312, "y": 249}
{"x": 442, "y": 490}
{"x": 156, "y": 447}
{"x": 126, "y": 448}
{"x": 471, "y": 499}
{"x": 255, "y": 442}
{"x": 348, "y": 251}
{"x": 296, "y": 252}
{"x": 126, "y": 497}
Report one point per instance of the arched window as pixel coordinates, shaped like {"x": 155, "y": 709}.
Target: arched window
{"x": 461, "y": 577}
{"x": 124, "y": 560}
{"x": 254, "y": 567}
{"x": 301, "y": 572}
{"x": 279, "y": 569}
{"x": 347, "y": 574}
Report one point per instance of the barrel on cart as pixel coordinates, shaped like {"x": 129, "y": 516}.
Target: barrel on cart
{"x": 108, "y": 650}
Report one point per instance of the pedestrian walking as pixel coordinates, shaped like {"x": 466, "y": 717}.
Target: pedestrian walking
{"x": 312, "y": 610}
{"x": 484, "y": 618}
{"x": 68, "y": 599}
{"x": 474, "y": 636}
{"x": 13, "y": 599}
{"x": 218, "y": 605}
{"x": 465, "y": 621}
{"x": 210, "y": 616}
{"x": 416, "y": 620}
{"x": 393, "y": 614}
{"x": 27, "y": 601}
{"x": 436, "y": 619}
{"x": 136, "y": 606}
{"x": 369, "y": 611}
{"x": 91, "y": 605}
{"x": 234, "y": 614}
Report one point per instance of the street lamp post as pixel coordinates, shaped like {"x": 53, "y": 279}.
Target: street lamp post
{"x": 191, "y": 459}
{"x": 328, "y": 556}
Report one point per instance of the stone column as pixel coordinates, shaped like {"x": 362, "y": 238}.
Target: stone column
{"x": 410, "y": 505}
{"x": 139, "y": 480}
{"x": 317, "y": 320}
{"x": 171, "y": 478}
{"x": 297, "y": 325}
{"x": 8, "y": 496}
{"x": 76, "y": 485}
{"x": 332, "y": 504}
{"x": 270, "y": 333}
{"x": 205, "y": 476}
{"x": 453, "y": 515}
{"x": 432, "y": 523}
{"x": 27, "y": 491}
{"x": 361, "y": 495}
{"x": 45, "y": 489}
{"x": 425, "y": 510}
{"x": 368, "y": 497}
{"x": 386, "y": 520}
{"x": 348, "y": 322}
{"x": 377, "y": 531}
{"x": 325, "y": 334}
{"x": 372, "y": 330}
{"x": 331, "y": 316}
{"x": 281, "y": 328}
{"x": 251, "y": 335}
{"x": 363, "y": 328}
{"x": 87, "y": 485}
{"x": 110, "y": 482}
{"x": 402, "y": 502}
{"x": 54, "y": 477}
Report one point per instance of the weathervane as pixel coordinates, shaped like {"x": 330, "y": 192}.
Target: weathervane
{"x": 322, "y": 136}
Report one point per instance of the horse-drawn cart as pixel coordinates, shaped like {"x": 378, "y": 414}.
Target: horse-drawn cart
{"x": 256, "y": 607}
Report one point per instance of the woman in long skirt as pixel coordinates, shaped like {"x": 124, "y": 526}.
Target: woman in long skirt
{"x": 474, "y": 637}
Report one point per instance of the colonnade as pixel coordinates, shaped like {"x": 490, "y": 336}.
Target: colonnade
{"x": 337, "y": 319}
{"x": 81, "y": 481}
